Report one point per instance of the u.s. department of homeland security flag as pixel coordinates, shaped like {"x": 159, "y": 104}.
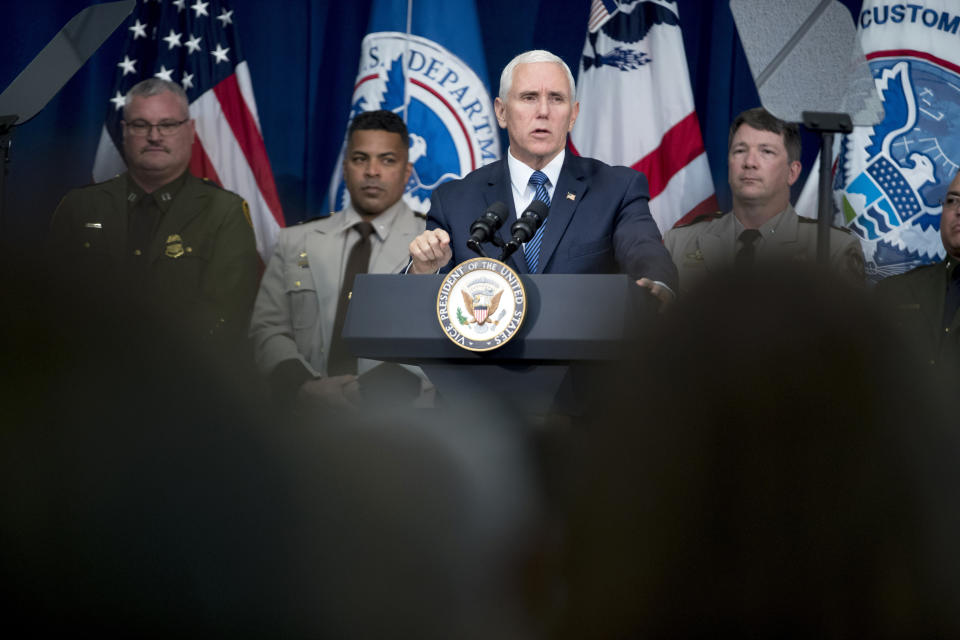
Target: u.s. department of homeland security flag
{"x": 636, "y": 105}
{"x": 194, "y": 43}
{"x": 889, "y": 178}
{"x": 427, "y": 65}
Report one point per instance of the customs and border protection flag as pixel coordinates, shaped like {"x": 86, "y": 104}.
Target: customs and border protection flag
{"x": 423, "y": 60}
{"x": 636, "y": 105}
{"x": 194, "y": 43}
{"x": 888, "y": 179}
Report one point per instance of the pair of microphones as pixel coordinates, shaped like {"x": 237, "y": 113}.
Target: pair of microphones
{"x": 484, "y": 228}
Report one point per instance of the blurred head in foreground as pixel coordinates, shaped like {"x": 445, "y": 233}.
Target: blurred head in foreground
{"x": 770, "y": 464}
{"x": 144, "y": 493}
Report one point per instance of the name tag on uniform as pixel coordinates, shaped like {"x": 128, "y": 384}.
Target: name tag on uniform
{"x": 93, "y": 225}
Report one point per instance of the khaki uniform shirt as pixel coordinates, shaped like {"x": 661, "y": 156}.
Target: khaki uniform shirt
{"x": 708, "y": 247}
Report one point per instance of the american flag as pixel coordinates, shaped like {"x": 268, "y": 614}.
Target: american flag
{"x": 196, "y": 45}
{"x": 600, "y": 12}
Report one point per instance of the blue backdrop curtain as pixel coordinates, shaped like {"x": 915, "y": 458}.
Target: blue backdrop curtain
{"x": 303, "y": 58}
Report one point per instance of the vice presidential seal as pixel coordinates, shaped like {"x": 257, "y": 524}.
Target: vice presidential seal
{"x": 481, "y": 304}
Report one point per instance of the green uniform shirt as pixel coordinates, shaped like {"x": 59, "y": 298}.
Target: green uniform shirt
{"x": 191, "y": 256}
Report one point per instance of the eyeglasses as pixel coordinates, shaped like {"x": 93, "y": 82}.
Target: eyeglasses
{"x": 166, "y": 128}
{"x": 951, "y": 202}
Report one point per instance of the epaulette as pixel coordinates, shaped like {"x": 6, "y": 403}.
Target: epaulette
{"x": 806, "y": 220}
{"x": 704, "y": 217}
{"x": 90, "y": 185}
{"x": 305, "y": 221}
{"x": 211, "y": 183}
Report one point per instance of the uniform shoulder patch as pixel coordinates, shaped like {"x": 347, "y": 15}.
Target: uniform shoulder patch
{"x": 246, "y": 213}
{"x": 705, "y": 217}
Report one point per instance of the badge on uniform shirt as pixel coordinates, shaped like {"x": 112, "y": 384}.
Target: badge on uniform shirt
{"x": 174, "y": 248}
{"x": 696, "y": 256}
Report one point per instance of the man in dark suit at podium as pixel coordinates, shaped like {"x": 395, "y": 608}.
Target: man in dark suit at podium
{"x": 599, "y": 220}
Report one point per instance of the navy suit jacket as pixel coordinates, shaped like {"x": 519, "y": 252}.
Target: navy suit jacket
{"x": 599, "y": 221}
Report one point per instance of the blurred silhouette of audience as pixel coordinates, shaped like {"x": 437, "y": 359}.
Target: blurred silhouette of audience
{"x": 147, "y": 492}
{"x": 770, "y": 463}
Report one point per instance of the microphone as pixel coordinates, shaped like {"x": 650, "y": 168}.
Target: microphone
{"x": 523, "y": 229}
{"x": 485, "y": 227}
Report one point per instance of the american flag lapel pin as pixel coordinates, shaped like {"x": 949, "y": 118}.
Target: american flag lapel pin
{"x": 571, "y": 195}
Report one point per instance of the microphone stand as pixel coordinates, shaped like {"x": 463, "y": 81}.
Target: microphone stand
{"x": 509, "y": 248}
{"x": 477, "y": 248}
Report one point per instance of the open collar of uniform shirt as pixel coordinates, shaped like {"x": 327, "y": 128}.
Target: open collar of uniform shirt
{"x": 382, "y": 224}
{"x": 164, "y": 196}
{"x": 523, "y": 191}
{"x": 767, "y": 230}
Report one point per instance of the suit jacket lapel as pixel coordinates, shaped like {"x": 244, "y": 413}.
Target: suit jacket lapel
{"x": 499, "y": 189}
{"x": 562, "y": 206}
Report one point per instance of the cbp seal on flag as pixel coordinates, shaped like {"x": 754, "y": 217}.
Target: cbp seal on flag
{"x": 481, "y": 304}
{"x": 445, "y": 104}
{"x": 890, "y": 177}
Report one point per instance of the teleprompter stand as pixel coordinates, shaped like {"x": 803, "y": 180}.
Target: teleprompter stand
{"x": 826, "y": 125}
{"x": 809, "y": 67}
{"x": 46, "y": 74}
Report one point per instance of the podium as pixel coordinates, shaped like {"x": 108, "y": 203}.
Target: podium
{"x": 571, "y": 319}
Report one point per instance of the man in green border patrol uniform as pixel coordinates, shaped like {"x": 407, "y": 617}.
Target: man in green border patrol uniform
{"x": 763, "y": 158}
{"x": 182, "y": 246}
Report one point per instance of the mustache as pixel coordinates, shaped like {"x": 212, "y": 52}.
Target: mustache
{"x": 153, "y": 147}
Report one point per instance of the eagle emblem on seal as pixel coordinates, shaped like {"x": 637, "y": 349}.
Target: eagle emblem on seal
{"x": 481, "y": 306}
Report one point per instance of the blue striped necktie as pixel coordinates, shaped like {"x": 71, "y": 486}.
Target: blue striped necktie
{"x": 531, "y": 250}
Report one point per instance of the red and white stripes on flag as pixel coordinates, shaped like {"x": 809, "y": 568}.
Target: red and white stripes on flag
{"x": 600, "y": 12}
{"x": 636, "y": 106}
{"x": 202, "y": 54}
